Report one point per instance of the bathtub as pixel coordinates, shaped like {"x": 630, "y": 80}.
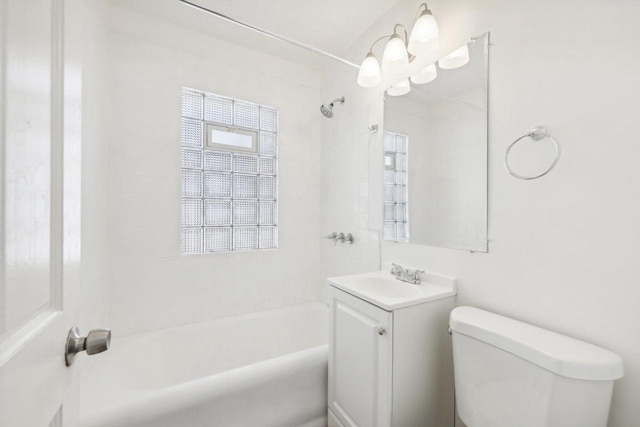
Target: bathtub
{"x": 262, "y": 369}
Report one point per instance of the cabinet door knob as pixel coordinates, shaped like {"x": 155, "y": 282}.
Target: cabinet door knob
{"x": 381, "y": 331}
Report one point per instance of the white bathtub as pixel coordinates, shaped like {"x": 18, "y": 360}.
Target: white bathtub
{"x": 262, "y": 369}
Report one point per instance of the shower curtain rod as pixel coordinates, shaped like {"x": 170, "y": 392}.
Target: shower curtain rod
{"x": 268, "y": 33}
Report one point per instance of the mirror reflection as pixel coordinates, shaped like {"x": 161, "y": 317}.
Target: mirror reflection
{"x": 435, "y": 154}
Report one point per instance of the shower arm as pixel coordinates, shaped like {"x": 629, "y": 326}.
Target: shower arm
{"x": 341, "y": 100}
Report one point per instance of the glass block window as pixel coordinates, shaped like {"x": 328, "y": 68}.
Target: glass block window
{"x": 395, "y": 192}
{"x": 229, "y": 174}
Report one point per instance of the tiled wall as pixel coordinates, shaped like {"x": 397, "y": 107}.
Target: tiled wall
{"x": 346, "y": 180}
{"x": 151, "y": 285}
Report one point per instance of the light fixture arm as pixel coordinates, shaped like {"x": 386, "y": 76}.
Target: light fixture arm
{"x": 380, "y": 39}
{"x": 406, "y": 36}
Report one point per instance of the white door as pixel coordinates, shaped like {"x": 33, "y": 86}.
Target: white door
{"x": 39, "y": 213}
{"x": 360, "y": 361}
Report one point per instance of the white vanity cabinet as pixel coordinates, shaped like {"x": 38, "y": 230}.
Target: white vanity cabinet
{"x": 389, "y": 366}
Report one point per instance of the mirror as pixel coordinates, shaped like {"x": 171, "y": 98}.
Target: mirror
{"x": 435, "y": 155}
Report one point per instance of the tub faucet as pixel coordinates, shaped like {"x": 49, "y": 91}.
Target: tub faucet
{"x": 405, "y": 274}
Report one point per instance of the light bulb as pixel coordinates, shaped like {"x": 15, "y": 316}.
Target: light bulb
{"x": 455, "y": 59}
{"x": 425, "y": 75}
{"x": 424, "y": 36}
{"x": 369, "y": 74}
{"x": 395, "y": 58}
{"x": 399, "y": 89}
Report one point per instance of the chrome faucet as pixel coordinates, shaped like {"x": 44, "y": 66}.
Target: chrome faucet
{"x": 405, "y": 274}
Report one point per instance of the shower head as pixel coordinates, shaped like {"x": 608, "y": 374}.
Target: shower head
{"x": 327, "y": 110}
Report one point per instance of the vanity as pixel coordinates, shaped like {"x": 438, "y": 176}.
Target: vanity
{"x": 390, "y": 360}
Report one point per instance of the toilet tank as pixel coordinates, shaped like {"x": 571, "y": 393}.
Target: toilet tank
{"x": 509, "y": 373}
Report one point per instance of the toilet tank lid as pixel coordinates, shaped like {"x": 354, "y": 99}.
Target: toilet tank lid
{"x": 563, "y": 355}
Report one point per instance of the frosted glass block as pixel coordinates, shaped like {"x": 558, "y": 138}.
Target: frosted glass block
{"x": 245, "y": 186}
{"x": 218, "y": 109}
{"x": 389, "y": 211}
{"x": 217, "y": 161}
{"x": 191, "y": 133}
{"x": 245, "y": 164}
{"x": 245, "y": 115}
{"x": 401, "y": 144}
{"x": 268, "y": 144}
{"x": 268, "y": 237}
{"x": 217, "y": 239}
{"x": 389, "y": 193}
{"x": 400, "y": 231}
{"x": 269, "y": 119}
{"x": 217, "y": 184}
{"x": 191, "y": 158}
{"x": 192, "y": 104}
{"x": 389, "y": 177}
{"x": 268, "y": 189}
{"x": 401, "y": 178}
{"x": 191, "y": 183}
{"x": 401, "y": 162}
{"x": 191, "y": 212}
{"x": 389, "y": 142}
{"x": 268, "y": 166}
{"x": 245, "y": 238}
{"x": 401, "y": 211}
{"x": 401, "y": 194}
{"x": 268, "y": 213}
{"x": 191, "y": 240}
{"x": 245, "y": 212}
{"x": 390, "y": 231}
{"x": 217, "y": 212}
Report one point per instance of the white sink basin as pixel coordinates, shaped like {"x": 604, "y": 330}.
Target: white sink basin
{"x": 385, "y": 291}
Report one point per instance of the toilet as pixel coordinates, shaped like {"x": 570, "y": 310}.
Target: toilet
{"x": 509, "y": 373}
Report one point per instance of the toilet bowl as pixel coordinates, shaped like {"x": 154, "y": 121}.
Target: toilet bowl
{"x": 509, "y": 373}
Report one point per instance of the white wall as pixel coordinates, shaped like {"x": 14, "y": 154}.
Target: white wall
{"x": 562, "y": 249}
{"x": 152, "y": 286}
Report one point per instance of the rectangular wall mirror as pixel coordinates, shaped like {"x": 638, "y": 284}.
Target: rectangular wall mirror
{"x": 435, "y": 154}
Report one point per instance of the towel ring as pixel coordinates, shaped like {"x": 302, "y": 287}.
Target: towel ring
{"x": 536, "y": 134}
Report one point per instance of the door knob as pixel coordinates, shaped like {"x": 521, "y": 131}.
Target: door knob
{"x": 96, "y": 341}
{"x": 381, "y": 331}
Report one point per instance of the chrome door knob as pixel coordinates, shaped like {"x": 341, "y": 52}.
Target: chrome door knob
{"x": 96, "y": 341}
{"x": 381, "y": 331}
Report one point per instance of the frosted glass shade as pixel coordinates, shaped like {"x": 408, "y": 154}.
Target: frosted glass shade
{"x": 369, "y": 74}
{"x": 425, "y": 75}
{"x": 455, "y": 59}
{"x": 399, "y": 89}
{"x": 395, "y": 58}
{"x": 424, "y": 35}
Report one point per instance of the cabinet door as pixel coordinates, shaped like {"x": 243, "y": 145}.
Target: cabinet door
{"x": 360, "y": 365}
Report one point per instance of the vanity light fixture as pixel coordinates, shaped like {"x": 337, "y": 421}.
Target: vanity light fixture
{"x": 426, "y": 75}
{"x": 455, "y": 59}
{"x": 399, "y": 89}
{"x": 424, "y": 34}
{"x": 398, "y": 53}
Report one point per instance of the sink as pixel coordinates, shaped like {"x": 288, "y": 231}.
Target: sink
{"x": 385, "y": 291}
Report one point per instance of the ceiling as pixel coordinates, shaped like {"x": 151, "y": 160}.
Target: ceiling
{"x": 330, "y": 25}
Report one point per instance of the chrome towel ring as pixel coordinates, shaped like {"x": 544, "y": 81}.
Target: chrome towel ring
{"x": 536, "y": 134}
